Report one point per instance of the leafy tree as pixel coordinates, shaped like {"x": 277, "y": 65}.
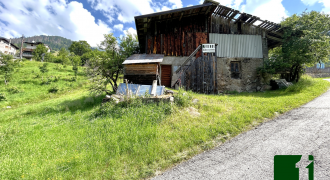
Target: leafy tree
{"x": 88, "y": 55}
{"x": 75, "y": 60}
{"x": 39, "y": 51}
{"x": 7, "y": 66}
{"x": 49, "y": 57}
{"x": 43, "y": 69}
{"x": 104, "y": 68}
{"x": 80, "y": 47}
{"x": 63, "y": 56}
{"x": 129, "y": 45}
{"x": 306, "y": 42}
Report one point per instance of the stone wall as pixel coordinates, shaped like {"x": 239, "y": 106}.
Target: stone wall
{"x": 318, "y": 75}
{"x": 248, "y": 79}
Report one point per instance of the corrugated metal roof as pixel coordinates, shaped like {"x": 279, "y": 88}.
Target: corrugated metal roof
{"x": 237, "y": 46}
{"x": 144, "y": 58}
{"x": 139, "y": 89}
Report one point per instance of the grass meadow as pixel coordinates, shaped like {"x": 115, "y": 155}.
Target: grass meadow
{"x": 71, "y": 135}
{"x": 29, "y": 85}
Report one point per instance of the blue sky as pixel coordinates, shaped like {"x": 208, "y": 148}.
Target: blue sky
{"x": 90, "y": 19}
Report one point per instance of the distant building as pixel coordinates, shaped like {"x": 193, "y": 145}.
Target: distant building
{"x": 6, "y": 47}
{"x": 320, "y": 65}
{"x": 31, "y": 46}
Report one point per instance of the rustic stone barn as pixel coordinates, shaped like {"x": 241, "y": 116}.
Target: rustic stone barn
{"x": 242, "y": 40}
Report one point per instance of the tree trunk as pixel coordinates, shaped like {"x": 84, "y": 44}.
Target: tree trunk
{"x": 297, "y": 73}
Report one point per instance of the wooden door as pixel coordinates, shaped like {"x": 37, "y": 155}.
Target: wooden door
{"x": 166, "y": 75}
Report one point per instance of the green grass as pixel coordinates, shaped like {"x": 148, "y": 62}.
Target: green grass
{"x": 28, "y": 80}
{"x": 73, "y": 136}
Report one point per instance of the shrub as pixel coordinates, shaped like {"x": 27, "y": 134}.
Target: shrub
{"x": 37, "y": 75}
{"x": 44, "y": 68}
{"x": 73, "y": 79}
{"x": 2, "y": 97}
{"x": 301, "y": 85}
{"x": 14, "y": 90}
{"x": 58, "y": 67}
{"x": 46, "y": 82}
{"x": 53, "y": 89}
{"x": 56, "y": 78}
{"x": 183, "y": 98}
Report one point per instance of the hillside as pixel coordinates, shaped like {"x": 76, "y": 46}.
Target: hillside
{"x": 55, "y": 42}
{"x": 71, "y": 135}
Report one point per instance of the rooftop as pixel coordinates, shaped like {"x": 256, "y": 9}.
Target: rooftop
{"x": 5, "y": 39}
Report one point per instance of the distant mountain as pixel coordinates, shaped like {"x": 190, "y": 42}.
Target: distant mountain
{"x": 54, "y": 42}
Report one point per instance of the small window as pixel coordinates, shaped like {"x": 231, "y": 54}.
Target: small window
{"x": 235, "y": 68}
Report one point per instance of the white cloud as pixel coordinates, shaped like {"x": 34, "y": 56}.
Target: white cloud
{"x": 309, "y": 2}
{"x": 165, "y": 8}
{"x": 130, "y": 31}
{"x": 119, "y": 27}
{"x": 69, "y": 20}
{"x": 189, "y": 5}
{"x": 326, "y": 8}
{"x": 125, "y": 10}
{"x": 176, "y": 4}
{"x": 235, "y": 4}
{"x": 271, "y": 10}
{"x": 326, "y": 4}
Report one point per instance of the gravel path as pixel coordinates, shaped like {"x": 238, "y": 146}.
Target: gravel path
{"x": 302, "y": 131}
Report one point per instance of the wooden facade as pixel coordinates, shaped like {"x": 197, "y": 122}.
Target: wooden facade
{"x": 141, "y": 73}
{"x": 179, "y": 32}
{"x": 177, "y": 38}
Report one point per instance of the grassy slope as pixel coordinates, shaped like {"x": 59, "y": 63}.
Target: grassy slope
{"x": 72, "y": 136}
{"x": 28, "y": 78}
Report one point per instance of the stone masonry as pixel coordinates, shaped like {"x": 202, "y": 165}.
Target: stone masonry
{"x": 248, "y": 79}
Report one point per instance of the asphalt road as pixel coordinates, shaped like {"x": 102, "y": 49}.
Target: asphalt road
{"x": 302, "y": 131}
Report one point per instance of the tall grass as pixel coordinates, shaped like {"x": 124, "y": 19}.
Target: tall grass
{"x": 73, "y": 136}
{"x": 29, "y": 85}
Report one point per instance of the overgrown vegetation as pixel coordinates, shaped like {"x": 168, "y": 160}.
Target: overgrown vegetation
{"x": 39, "y": 52}
{"x": 2, "y": 97}
{"x": 104, "y": 68}
{"x": 306, "y": 42}
{"x": 28, "y": 85}
{"x": 73, "y": 136}
{"x": 7, "y": 67}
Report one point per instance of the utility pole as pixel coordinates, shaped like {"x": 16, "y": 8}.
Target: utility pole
{"x": 21, "y": 46}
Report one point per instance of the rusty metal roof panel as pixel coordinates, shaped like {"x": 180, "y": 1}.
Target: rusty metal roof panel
{"x": 144, "y": 58}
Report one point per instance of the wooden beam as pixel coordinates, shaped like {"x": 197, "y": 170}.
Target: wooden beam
{"x": 274, "y": 38}
{"x": 181, "y": 16}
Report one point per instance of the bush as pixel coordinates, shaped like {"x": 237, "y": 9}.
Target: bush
{"x": 37, "y": 75}
{"x": 304, "y": 83}
{"x": 56, "y": 78}
{"x": 183, "y": 98}
{"x": 53, "y": 89}
{"x": 14, "y": 90}
{"x": 2, "y": 97}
